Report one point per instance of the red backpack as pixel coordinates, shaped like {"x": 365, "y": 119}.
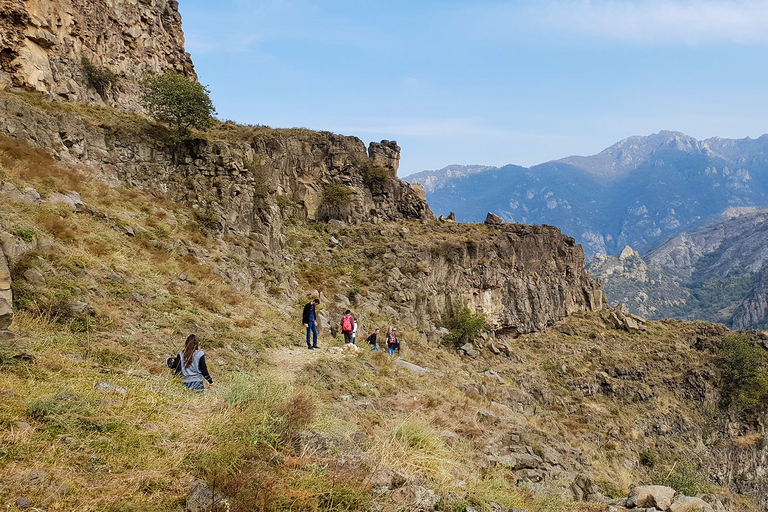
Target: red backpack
{"x": 346, "y": 323}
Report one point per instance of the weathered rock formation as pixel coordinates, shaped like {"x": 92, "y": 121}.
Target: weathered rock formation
{"x": 89, "y": 51}
{"x": 6, "y": 296}
{"x": 522, "y": 278}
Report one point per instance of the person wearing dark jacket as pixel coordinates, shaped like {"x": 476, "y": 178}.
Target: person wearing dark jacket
{"x": 309, "y": 319}
{"x": 372, "y": 339}
{"x": 190, "y": 364}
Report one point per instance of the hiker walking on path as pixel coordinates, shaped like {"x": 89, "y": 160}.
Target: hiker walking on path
{"x": 354, "y": 332}
{"x": 309, "y": 319}
{"x": 373, "y": 339}
{"x": 392, "y": 342}
{"x": 190, "y": 364}
{"x": 348, "y": 326}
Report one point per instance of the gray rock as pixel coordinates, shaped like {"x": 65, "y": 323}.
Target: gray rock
{"x": 33, "y": 276}
{"x": 115, "y": 277}
{"x": 658, "y": 496}
{"x": 7, "y": 335}
{"x": 77, "y": 308}
{"x": 6, "y": 314}
{"x": 486, "y": 416}
{"x": 410, "y": 366}
{"x": 23, "y": 503}
{"x": 493, "y": 220}
{"x": 204, "y": 499}
{"x": 415, "y": 497}
{"x": 22, "y": 425}
{"x": 690, "y": 504}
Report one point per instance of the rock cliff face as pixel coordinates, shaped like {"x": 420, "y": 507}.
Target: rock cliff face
{"x": 522, "y": 277}
{"x": 45, "y": 44}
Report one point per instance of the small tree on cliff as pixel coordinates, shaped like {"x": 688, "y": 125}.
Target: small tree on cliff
{"x": 180, "y": 102}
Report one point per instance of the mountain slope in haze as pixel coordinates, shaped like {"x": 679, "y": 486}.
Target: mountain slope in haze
{"x": 716, "y": 273}
{"x": 638, "y": 192}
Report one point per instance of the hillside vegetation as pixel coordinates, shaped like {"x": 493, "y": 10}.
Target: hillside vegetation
{"x": 109, "y": 281}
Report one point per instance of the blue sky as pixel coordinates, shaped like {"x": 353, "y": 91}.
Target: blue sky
{"x": 486, "y": 82}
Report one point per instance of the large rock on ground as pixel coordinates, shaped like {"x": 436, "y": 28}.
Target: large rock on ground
{"x": 6, "y": 314}
{"x": 204, "y": 499}
{"x": 648, "y": 496}
{"x": 690, "y": 504}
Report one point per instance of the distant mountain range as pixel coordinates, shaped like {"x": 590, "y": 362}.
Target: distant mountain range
{"x": 717, "y": 273}
{"x": 638, "y": 192}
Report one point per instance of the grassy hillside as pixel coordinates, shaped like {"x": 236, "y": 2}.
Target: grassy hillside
{"x": 104, "y": 291}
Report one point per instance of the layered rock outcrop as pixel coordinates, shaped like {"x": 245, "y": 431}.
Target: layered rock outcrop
{"x": 6, "y": 296}
{"x": 89, "y": 51}
{"x": 521, "y": 278}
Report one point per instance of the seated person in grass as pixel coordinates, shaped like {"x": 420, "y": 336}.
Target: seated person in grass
{"x": 190, "y": 364}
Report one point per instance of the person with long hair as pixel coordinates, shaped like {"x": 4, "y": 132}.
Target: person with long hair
{"x": 392, "y": 342}
{"x": 190, "y": 364}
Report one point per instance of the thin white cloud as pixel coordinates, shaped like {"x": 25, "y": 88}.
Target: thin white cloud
{"x": 691, "y": 22}
{"x": 652, "y": 22}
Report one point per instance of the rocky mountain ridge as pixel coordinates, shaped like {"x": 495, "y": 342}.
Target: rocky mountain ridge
{"x": 638, "y": 192}
{"x": 712, "y": 274}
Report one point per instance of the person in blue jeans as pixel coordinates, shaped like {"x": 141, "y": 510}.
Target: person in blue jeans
{"x": 392, "y": 342}
{"x": 309, "y": 319}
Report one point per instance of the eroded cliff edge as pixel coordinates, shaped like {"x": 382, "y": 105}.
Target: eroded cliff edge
{"x": 247, "y": 185}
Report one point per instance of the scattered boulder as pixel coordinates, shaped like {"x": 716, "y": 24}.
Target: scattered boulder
{"x": 77, "y": 308}
{"x": 23, "y": 503}
{"x": 493, "y": 220}
{"x": 415, "y": 497}
{"x": 6, "y": 314}
{"x": 486, "y": 416}
{"x": 649, "y": 496}
{"x": 115, "y": 277}
{"x": 469, "y": 349}
{"x": 690, "y": 504}
{"x": 410, "y": 366}
{"x": 71, "y": 200}
{"x": 452, "y": 217}
{"x": 204, "y": 499}
{"x": 33, "y": 276}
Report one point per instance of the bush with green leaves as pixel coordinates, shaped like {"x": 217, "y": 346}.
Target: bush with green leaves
{"x": 465, "y": 327}
{"x": 744, "y": 369}
{"x": 336, "y": 194}
{"x": 100, "y": 78}
{"x": 180, "y": 102}
{"x": 685, "y": 477}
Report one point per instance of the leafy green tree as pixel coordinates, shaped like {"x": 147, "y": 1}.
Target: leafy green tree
{"x": 180, "y": 102}
{"x": 465, "y": 327}
{"x": 744, "y": 367}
